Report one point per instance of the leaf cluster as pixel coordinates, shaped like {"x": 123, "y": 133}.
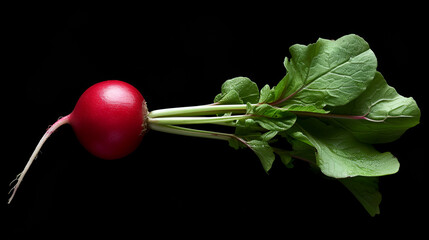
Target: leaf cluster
{"x": 331, "y": 106}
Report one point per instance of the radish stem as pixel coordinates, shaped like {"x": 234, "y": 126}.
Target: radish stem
{"x": 195, "y": 120}
{"x": 210, "y": 109}
{"x": 190, "y": 132}
{"x": 45, "y": 137}
{"x": 196, "y": 133}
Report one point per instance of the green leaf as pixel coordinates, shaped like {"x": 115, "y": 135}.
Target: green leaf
{"x": 340, "y": 155}
{"x": 303, "y": 151}
{"x": 234, "y": 143}
{"x": 390, "y": 114}
{"x": 257, "y": 142}
{"x": 327, "y": 73}
{"x": 308, "y": 108}
{"x": 265, "y": 153}
{"x": 365, "y": 189}
{"x": 238, "y": 90}
{"x": 268, "y": 136}
{"x": 267, "y": 94}
{"x": 271, "y": 118}
{"x": 248, "y": 129}
{"x": 285, "y": 157}
{"x": 230, "y": 97}
{"x": 280, "y": 89}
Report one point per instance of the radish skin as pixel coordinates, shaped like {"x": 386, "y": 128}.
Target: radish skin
{"x": 109, "y": 119}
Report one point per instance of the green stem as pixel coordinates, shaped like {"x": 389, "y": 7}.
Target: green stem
{"x": 196, "y": 133}
{"x": 194, "y": 120}
{"x": 210, "y": 109}
{"x": 191, "y": 132}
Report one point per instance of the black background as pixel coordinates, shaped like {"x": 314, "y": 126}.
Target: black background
{"x": 175, "y": 185}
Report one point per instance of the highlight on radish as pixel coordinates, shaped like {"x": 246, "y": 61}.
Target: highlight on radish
{"x": 330, "y": 107}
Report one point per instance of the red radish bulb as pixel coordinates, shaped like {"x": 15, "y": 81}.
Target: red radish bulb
{"x": 109, "y": 119}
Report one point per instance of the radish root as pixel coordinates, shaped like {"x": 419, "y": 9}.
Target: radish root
{"x": 33, "y": 157}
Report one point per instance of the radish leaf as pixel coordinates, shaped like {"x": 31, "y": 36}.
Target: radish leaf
{"x": 330, "y": 106}
{"x": 340, "y": 155}
{"x": 271, "y": 118}
{"x": 285, "y": 157}
{"x": 389, "y": 114}
{"x": 238, "y": 90}
{"x": 265, "y": 153}
{"x": 327, "y": 73}
{"x": 365, "y": 189}
{"x": 267, "y": 94}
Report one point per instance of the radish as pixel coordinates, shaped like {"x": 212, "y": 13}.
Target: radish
{"x": 109, "y": 120}
{"x": 330, "y": 107}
